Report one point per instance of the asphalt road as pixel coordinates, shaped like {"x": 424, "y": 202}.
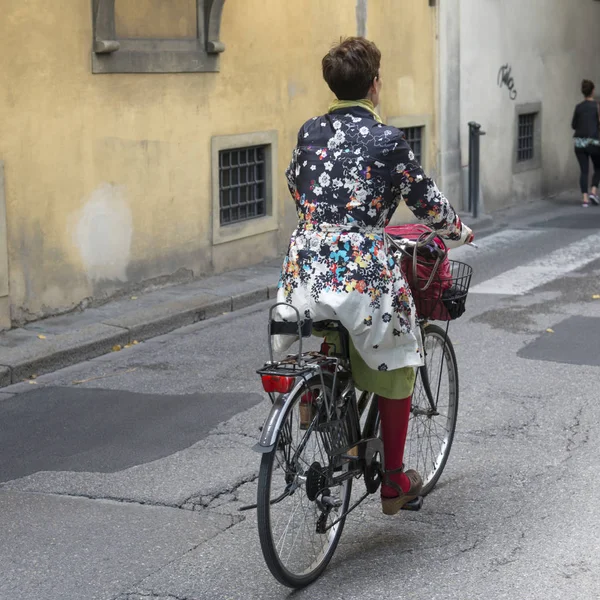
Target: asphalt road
{"x": 121, "y": 477}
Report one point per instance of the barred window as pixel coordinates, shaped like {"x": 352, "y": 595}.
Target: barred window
{"x": 242, "y": 185}
{"x": 414, "y": 137}
{"x": 526, "y": 137}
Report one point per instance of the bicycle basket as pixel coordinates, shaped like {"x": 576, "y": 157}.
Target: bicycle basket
{"x": 445, "y": 297}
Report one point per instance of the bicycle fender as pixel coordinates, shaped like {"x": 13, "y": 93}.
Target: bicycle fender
{"x": 262, "y": 449}
{"x": 273, "y": 422}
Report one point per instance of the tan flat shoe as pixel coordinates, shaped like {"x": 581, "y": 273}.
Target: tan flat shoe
{"x": 390, "y": 506}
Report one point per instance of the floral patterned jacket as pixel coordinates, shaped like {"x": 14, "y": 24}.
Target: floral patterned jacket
{"x": 347, "y": 176}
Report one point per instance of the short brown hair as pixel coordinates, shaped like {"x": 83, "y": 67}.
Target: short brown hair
{"x": 587, "y": 87}
{"x": 350, "y": 67}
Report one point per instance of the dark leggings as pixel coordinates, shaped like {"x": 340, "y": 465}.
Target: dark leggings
{"x": 583, "y": 156}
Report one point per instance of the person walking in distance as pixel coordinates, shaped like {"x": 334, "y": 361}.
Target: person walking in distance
{"x": 586, "y": 123}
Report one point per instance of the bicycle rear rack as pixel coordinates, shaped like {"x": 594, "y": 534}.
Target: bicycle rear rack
{"x": 302, "y": 328}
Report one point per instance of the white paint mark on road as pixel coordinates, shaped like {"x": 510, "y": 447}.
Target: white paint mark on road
{"x": 525, "y": 278}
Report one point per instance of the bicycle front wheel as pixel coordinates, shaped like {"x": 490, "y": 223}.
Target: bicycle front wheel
{"x": 301, "y": 494}
{"x": 434, "y": 409}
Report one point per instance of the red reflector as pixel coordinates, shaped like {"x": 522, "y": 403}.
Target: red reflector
{"x": 277, "y": 383}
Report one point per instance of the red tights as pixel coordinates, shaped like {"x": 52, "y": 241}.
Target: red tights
{"x": 394, "y": 427}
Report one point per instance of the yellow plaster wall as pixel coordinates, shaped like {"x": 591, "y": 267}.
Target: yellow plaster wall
{"x": 405, "y": 32}
{"x": 108, "y": 176}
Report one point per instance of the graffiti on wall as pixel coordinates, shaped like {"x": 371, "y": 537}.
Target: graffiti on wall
{"x": 505, "y": 78}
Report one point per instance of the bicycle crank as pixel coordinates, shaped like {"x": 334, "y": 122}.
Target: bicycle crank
{"x": 373, "y": 465}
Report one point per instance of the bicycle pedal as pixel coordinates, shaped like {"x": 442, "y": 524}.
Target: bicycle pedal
{"x": 331, "y": 502}
{"x": 414, "y": 505}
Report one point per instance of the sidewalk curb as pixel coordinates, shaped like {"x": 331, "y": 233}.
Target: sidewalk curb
{"x": 40, "y": 356}
{"x": 43, "y": 356}
{"x": 157, "y": 320}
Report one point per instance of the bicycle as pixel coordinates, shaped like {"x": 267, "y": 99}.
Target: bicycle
{"x": 313, "y": 445}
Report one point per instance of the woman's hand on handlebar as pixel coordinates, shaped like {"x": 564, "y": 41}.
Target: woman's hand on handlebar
{"x": 466, "y": 237}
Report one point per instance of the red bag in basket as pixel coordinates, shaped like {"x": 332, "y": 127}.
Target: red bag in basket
{"x": 427, "y": 301}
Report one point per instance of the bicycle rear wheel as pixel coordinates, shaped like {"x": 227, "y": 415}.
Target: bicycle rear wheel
{"x": 297, "y": 536}
{"x": 433, "y": 418}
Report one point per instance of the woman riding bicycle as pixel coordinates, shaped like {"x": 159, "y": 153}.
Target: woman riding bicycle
{"x": 348, "y": 174}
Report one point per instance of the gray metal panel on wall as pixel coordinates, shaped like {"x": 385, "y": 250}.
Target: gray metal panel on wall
{"x": 361, "y": 17}
{"x": 449, "y": 105}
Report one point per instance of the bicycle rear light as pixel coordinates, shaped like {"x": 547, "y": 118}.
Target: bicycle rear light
{"x": 280, "y": 384}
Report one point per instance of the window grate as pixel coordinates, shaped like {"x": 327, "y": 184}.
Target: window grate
{"x": 525, "y": 138}
{"x": 414, "y": 137}
{"x": 242, "y": 184}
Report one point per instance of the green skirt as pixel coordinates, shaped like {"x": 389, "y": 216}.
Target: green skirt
{"x": 396, "y": 384}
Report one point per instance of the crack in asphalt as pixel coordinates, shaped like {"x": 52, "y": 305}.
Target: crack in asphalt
{"x": 198, "y": 502}
{"x": 194, "y": 502}
{"x": 472, "y": 547}
{"x": 526, "y": 428}
{"x": 451, "y": 545}
{"x": 572, "y": 570}
{"x": 137, "y": 595}
{"x": 508, "y": 430}
{"x": 235, "y": 518}
{"x": 101, "y": 497}
{"x": 513, "y": 556}
{"x": 576, "y": 429}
